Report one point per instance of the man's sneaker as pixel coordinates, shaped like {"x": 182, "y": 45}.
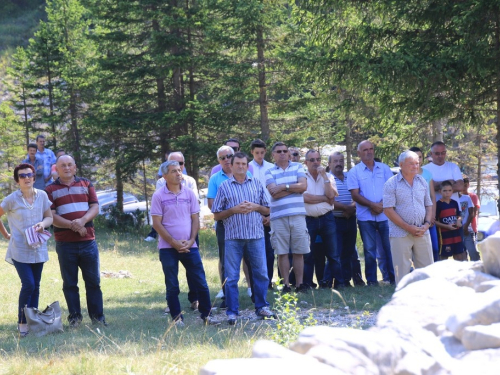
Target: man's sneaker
{"x": 286, "y": 289}
{"x": 249, "y": 292}
{"x": 231, "y": 319}
{"x": 149, "y": 239}
{"x": 75, "y": 323}
{"x": 223, "y": 305}
{"x": 220, "y": 294}
{"x": 167, "y": 311}
{"x": 100, "y": 321}
{"x": 179, "y": 323}
{"x": 210, "y": 320}
{"x": 265, "y": 313}
{"x": 194, "y": 305}
{"x": 302, "y": 288}
{"x": 358, "y": 281}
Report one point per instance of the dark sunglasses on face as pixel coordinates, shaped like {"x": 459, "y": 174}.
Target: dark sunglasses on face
{"x": 225, "y": 157}
{"x": 281, "y": 151}
{"x": 26, "y": 175}
{"x": 295, "y": 154}
{"x": 181, "y": 163}
{"x": 235, "y": 148}
{"x": 312, "y": 160}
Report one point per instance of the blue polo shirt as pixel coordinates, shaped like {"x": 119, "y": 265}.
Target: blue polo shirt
{"x": 216, "y": 180}
{"x": 370, "y": 185}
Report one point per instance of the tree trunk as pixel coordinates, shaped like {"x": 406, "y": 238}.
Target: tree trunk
{"x": 119, "y": 186}
{"x": 51, "y": 102}
{"x": 26, "y": 126}
{"x": 437, "y": 130}
{"x": 348, "y": 144}
{"x": 75, "y": 133}
{"x": 264, "y": 117}
{"x": 497, "y": 50}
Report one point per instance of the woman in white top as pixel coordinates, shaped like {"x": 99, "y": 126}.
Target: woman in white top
{"x": 26, "y": 207}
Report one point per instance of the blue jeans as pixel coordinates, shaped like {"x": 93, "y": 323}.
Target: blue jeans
{"x": 256, "y": 255}
{"x": 435, "y": 244}
{"x": 269, "y": 253}
{"x": 347, "y": 231}
{"x": 83, "y": 255}
{"x": 369, "y": 230}
{"x": 30, "y": 275}
{"x": 191, "y": 261}
{"x": 470, "y": 246}
{"x": 325, "y": 227}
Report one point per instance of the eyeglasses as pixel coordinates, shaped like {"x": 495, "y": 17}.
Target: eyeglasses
{"x": 295, "y": 154}
{"x": 312, "y": 160}
{"x": 281, "y": 151}
{"x": 235, "y": 148}
{"x": 225, "y": 157}
{"x": 26, "y": 175}
{"x": 443, "y": 153}
{"x": 181, "y": 163}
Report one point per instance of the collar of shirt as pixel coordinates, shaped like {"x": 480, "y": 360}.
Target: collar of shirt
{"x": 171, "y": 192}
{"x": 247, "y": 178}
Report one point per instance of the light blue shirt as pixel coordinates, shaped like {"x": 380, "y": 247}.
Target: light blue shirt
{"x": 216, "y": 180}
{"x": 370, "y": 185}
{"x": 48, "y": 159}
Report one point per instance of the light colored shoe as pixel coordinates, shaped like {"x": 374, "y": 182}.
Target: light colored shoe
{"x": 150, "y": 239}
{"x": 179, "y": 323}
{"x": 211, "y": 320}
{"x": 194, "y": 305}
{"x": 266, "y": 313}
{"x": 249, "y": 292}
{"x": 167, "y": 311}
{"x": 220, "y": 294}
{"x": 232, "y": 319}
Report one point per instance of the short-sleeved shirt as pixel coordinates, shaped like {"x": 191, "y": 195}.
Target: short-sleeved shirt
{"x": 477, "y": 204}
{"x": 48, "y": 159}
{"x": 427, "y": 175}
{"x": 292, "y": 204}
{"x": 20, "y": 218}
{"x": 175, "y": 211}
{"x": 231, "y": 193}
{"x": 465, "y": 203}
{"x": 371, "y": 186}
{"x": 259, "y": 171}
{"x": 408, "y": 201}
{"x": 344, "y": 196}
{"x": 216, "y": 180}
{"x": 39, "y": 170}
{"x": 440, "y": 173}
{"x": 317, "y": 187}
{"x": 218, "y": 168}
{"x": 72, "y": 202}
{"x": 447, "y": 213}
{"x": 187, "y": 181}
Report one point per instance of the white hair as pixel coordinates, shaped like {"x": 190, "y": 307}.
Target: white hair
{"x": 175, "y": 153}
{"x": 407, "y": 155}
{"x": 224, "y": 148}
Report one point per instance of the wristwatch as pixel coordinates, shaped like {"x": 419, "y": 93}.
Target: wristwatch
{"x": 427, "y": 222}
{"x": 287, "y": 187}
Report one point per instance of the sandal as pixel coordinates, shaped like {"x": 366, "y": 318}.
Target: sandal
{"x": 23, "y": 331}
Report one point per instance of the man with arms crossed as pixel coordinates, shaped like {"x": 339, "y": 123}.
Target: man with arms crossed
{"x": 408, "y": 205}
{"x": 286, "y": 181}
{"x": 240, "y": 202}
{"x": 74, "y": 205}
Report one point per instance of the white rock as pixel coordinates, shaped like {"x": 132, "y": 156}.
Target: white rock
{"x": 270, "y": 349}
{"x": 483, "y": 362}
{"x": 487, "y": 285}
{"x": 452, "y": 345}
{"x": 266, "y": 366}
{"x": 490, "y": 252}
{"x": 482, "y": 337}
{"x": 471, "y": 278}
{"x": 445, "y": 270}
{"x": 481, "y": 309}
{"x": 425, "y": 304}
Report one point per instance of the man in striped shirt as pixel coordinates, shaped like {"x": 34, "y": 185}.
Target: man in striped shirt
{"x": 240, "y": 202}
{"x": 286, "y": 181}
{"x": 74, "y": 205}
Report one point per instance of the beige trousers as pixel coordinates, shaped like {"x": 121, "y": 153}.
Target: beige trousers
{"x": 407, "y": 249}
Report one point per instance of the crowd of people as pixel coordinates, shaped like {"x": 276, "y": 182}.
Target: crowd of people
{"x": 306, "y": 216}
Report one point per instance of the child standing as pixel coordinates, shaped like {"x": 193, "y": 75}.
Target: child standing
{"x": 449, "y": 223}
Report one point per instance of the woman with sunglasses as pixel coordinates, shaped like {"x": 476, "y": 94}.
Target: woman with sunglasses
{"x": 26, "y": 207}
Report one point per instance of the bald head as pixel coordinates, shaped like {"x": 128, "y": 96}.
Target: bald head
{"x": 66, "y": 168}
{"x": 366, "y": 151}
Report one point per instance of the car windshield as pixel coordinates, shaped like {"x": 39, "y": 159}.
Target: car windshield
{"x": 488, "y": 206}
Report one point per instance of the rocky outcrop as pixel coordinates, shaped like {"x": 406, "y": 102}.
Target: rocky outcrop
{"x": 442, "y": 319}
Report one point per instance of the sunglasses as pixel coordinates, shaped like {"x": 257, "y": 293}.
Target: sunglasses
{"x": 26, "y": 175}
{"x": 281, "y": 151}
{"x": 236, "y": 149}
{"x": 295, "y": 154}
{"x": 312, "y": 160}
{"x": 181, "y": 163}
{"x": 225, "y": 157}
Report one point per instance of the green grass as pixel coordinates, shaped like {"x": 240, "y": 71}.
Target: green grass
{"x": 139, "y": 339}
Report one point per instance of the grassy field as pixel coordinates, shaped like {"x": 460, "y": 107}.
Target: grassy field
{"x": 139, "y": 338}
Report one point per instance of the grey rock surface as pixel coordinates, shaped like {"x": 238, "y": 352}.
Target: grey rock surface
{"x": 490, "y": 252}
